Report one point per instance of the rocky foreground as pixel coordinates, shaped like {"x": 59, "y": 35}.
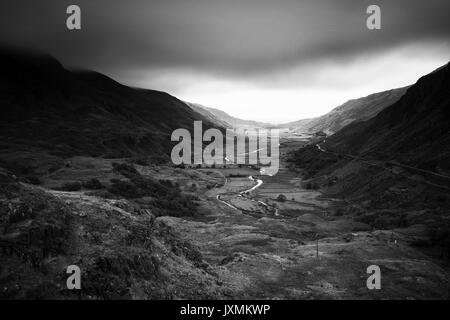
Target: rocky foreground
{"x": 123, "y": 251}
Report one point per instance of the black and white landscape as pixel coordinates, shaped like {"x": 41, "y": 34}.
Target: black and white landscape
{"x": 86, "y": 176}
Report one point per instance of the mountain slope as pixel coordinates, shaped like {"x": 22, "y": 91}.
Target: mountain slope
{"x": 223, "y": 117}
{"x": 353, "y": 110}
{"x": 414, "y": 130}
{"x": 392, "y": 170}
{"x": 45, "y": 107}
{"x": 204, "y": 111}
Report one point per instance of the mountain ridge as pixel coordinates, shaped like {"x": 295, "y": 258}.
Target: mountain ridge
{"x": 357, "y": 109}
{"x": 222, "y": 116}
{"x": 414, "y": 130}
{"x": 56, "y": 112}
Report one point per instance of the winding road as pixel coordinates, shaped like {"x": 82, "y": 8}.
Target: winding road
{"x": 259, "y": 182}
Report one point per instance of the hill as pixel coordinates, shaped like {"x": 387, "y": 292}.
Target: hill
{"x": 50, "y": 112}
{"x": 397, "y": 161}
{"x": 208, "y": 114}
{"x": 353, "y": 110}
{"x": 414, "y": 130}
{"x": 223, "y": 117}
{"x": 392, "y": 171}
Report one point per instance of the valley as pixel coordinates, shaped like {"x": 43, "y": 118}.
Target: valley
{"x": 301, "y": 248}
{"x": 86, "y": 179}
{"x": 243, "y": 240}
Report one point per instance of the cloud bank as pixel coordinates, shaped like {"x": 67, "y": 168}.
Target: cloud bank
{"x": 238, "y": 55}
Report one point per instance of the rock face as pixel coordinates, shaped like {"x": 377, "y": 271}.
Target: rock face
{"x": 360, "y": 109}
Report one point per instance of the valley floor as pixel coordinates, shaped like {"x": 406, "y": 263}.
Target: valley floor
{"x": 238, "y": 246}
{"x": 302, "y": 249}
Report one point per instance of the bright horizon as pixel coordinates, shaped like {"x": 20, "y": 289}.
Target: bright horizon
{"x": 264, "y": 60}
{"x": 322, "y": 90}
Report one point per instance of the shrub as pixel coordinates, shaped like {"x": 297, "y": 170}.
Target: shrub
{"x": 311, "y": 160}
{"x": 71, "y": 186}
{"x": 33, "y": 180}
{"x": 281, "y": 198}
{"x": 93, "y": 184}
{"x": 440, "y": 236}
{"x": 150, "y": 160}
{"x": 141, "y": 161}
{"x": 102, "y": 193}
{"x": 125, "y": 169}
{"x": 166, "y": 183}
{"x": 124, "y": 189}
{"x": 441, "y": 198}
{"x": 311, "y": 185}
{"x": 167, "y": 196}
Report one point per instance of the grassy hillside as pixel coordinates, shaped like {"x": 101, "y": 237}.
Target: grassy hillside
{"x": 222, "y": 116}
{"x": 414, "y": 130}
{"x": 353, "y": 110}
{"x": 49, "y": 113}
{"x": 208, "y": 114}
{"x": 392, "y": 170}
{"x": 122, "y": 249}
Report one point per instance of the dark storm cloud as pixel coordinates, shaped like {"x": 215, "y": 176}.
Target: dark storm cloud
{"x": 245, "y": 37}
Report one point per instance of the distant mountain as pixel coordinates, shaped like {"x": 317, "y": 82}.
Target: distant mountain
{"x": 206, "y": 112}
{"x": 45, "y": 107}
{"x": 414, "y": 130}
{"x": 353, "y": 110}
{"x": 223, "y": 117}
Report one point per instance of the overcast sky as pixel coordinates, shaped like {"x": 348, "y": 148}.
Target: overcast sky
{"x": 276, "y": 61}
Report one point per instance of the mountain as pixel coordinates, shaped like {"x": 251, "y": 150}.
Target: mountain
{"x": 414, "y": 130}
{"x": 392, "y": 171}
{"x": 352, "y": 110}
{"x": 223, "y": 117}
{"x": 206, "y": 112}
{"x": 48, "y": 109}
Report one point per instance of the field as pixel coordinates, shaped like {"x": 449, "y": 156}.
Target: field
{"x": 305, "y": 249}
{"x": 213, "y": 240}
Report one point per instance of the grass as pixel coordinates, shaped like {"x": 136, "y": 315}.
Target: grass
{"x": 167, "y": 196}
{"x": 71, "y": 186}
